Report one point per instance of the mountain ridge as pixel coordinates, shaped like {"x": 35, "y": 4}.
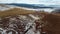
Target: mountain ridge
{"x": 30, "y": 5}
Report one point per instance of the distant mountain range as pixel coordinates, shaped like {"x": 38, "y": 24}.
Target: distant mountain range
{"x": 31, "y": 5}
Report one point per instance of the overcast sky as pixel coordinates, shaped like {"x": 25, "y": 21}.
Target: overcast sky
{"x": 47, "y": 2}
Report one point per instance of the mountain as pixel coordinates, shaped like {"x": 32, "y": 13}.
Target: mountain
{"x": 35, "y": 6}
{"x": 56, "y": 6}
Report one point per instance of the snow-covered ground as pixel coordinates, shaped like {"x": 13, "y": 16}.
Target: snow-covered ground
{"x": 22, "y": 19}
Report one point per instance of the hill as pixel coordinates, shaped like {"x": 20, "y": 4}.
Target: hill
{"x": 15, "y": 11}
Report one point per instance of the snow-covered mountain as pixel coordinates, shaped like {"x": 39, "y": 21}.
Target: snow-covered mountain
{"x": 7, "y": 7}
{"x": 25, "y": 7}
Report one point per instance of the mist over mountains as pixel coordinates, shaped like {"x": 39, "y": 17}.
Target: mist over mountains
{"x": 35, "y": 6}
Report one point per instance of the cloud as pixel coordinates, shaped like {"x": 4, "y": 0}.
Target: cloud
{"x": 21, "y": 1}
{"x": 28, "y": 1}
{"x": 6, "y": 1}
{"x": 46, "y": 2}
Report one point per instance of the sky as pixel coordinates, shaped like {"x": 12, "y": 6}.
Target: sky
{"x": 46, "y": 2}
